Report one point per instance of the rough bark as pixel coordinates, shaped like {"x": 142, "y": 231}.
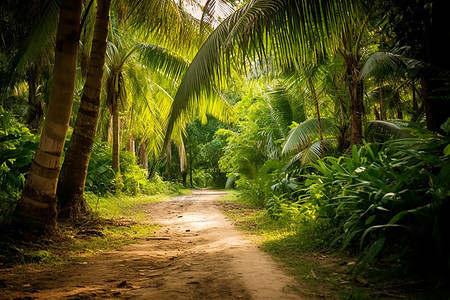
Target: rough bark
{"x": 38, "y": 201}
{"x": 35, "y": 112}
{"x": 130, "y": 146}
{"x": 319, "y": 120}
{"x": 116, "y": 142}
{"x": 356, "y": 99}
{"x": 74, "y": 170}
{"x": 382, "y": 105}
{"x": 143, "y": 155}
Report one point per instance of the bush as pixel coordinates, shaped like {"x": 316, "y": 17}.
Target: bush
{"x": 102, "y": 180}
{"x": 17, "y": 147}
{"x": 395, "y": 198}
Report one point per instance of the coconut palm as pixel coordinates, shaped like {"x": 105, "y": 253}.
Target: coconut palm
{"x": 71, "y": 185}
{"x": 292, "y": 31}
{"x": 75, "y": 165}
{"x": 38, "y": 201}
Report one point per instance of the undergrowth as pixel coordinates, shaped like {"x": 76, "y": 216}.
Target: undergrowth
{"x": 319, "y": 268}
{"x": 115, "y": 221}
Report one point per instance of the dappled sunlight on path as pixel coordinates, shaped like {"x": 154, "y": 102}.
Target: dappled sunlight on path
{"x": 196, "y": 254}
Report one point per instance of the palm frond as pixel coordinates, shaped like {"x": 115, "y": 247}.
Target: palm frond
{"x": 297, "y": 30}
{"x": 40, "y": 40}
{"x": 310, "y": 154}
{"x": 382, "y": 65}
{"x": 305, "y": 133}
{"x": 381, "y": 131}
{"x": 162, "y": 60}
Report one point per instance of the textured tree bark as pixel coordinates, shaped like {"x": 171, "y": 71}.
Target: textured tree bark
{"x": 143, "y": 155}
{"x": 37, "y": 204}
{"x": 35, "y": 113}
{"x": 356, "y": 99}
{"x": 74, "y": 170}
{"x": 131, "y": 144}
{"x": 116, "y": 142}
{"x": 382, "y": 106}
{"x": 319, "y": 120}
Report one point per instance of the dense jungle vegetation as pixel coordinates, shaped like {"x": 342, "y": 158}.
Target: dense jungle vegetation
{"x": 332, "y": 115}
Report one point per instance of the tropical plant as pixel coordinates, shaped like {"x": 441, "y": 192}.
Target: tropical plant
{"x": 289, "y": 30}
{"x": 389, "y": 196}
{"x": 17, "y": 146}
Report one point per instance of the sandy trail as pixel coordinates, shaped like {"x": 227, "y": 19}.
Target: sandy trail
{"x": 197, "y": 254}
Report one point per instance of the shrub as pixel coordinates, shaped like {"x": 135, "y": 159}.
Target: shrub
{"x": 17, "y": 147}
{"x": 396, "y": 197}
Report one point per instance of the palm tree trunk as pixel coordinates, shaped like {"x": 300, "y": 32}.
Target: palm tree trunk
{"x": 38, "y": 202}
{"x": 415, "y": 105}
{"x": 319, "y": 121}
{"x": 74, "y": 170}
{"x": 143, "y": 155}
{"x": 131, "y": 145}
{"x": 356, "y": 100}
{"x": 191, "y": 180}
{"x": 382, "y": 105}
{"x": 116, "y": 142}
{"x": 35, "y": 112}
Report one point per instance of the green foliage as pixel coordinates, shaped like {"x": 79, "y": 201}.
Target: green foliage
{"x": 394, "y": 198}
{"x": 17, "y": 146}
{"x": 102, "y": 180}
{"x": 204, "y": 149}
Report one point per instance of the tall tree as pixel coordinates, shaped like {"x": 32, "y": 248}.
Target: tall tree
{"x": 292, "y": 31}
{"x": 71, "y": 186}
{"x": 74, "y": 169}
{"x": 38, "y": 202}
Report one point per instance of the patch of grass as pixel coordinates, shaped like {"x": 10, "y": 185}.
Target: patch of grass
{"x": 115, "y": 221}
{"x": 231, "y": 196}
{"x": 320, "y": 271}
{"x": 117, "y": 206}
{"x": 185, "y": 191}
{"x": 292, "y": 244}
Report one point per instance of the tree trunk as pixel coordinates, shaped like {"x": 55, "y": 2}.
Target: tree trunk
{"x": 356, "y": 99}
{"x": 319, "y": 120}
{"x": 74, "y": 170}
{"x": 38, "y": 202}
{"x": 152, "y": 170}
{"x": 190, "y": 168}
{"x": 35, "y": 112}
{"x": 130, "y": 146}
{"x": 382, "y": 105}
{"x": 398, "y": 105}
{"x": 116, "y": 142}
{"x": 143, "y": 155}
{"x": 415, "y": 105}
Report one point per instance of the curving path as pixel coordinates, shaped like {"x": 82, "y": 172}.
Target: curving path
{"x": 197, "y": 254}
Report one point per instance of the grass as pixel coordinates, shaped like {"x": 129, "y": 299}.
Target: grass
{"x": 321, "y": 271}
{"x": 294, "y": 244}
{"x": 115, "y": 221}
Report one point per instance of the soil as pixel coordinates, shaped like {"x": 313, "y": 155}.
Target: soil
{"x": 197, "y": 254}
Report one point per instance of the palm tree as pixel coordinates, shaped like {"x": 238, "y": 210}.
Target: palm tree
{"x": 122, "y": 67}
{"x": 292, "y": 31}
{"x": 38, "y": 202}
{"x": 74, "y": 170}
{"x": 71, "y": 185}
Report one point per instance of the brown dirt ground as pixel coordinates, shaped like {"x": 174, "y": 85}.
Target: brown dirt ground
{"x": 197, "y": 254}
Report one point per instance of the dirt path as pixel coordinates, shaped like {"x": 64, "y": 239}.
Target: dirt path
{"x": 197, "y": 254}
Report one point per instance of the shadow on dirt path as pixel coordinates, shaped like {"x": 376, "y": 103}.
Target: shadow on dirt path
{"x": 197, "y": 254}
